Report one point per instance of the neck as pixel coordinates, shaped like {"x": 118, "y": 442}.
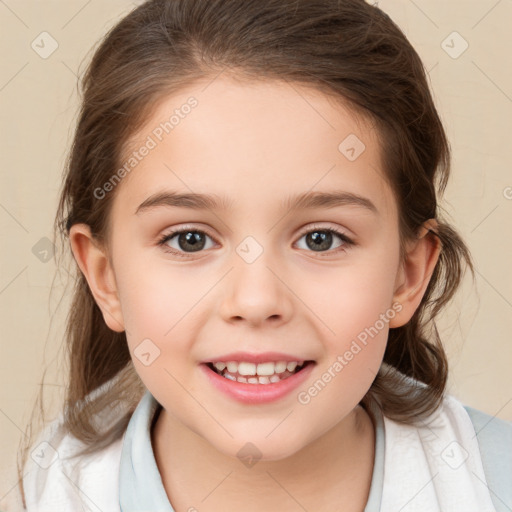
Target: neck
{"x": 335, "y": 469}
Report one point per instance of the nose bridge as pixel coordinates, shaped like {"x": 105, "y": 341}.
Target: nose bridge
{"x": 255, "y": 291}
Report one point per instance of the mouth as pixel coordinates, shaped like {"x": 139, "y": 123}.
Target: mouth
{"x": 264, "y": 373}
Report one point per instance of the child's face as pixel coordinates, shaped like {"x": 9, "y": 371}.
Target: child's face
{"x": 256, "y": 145}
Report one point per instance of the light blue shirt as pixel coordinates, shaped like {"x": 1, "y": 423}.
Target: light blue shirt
{"x": 141, "y": 488}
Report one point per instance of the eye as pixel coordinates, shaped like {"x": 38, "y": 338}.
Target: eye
{"x": 187, "y": 241}
{"x": 320, "y": 239}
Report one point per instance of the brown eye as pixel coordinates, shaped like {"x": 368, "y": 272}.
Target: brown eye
{"x": 190, "y": 240}
{"x": 321, "y": 239}
{"x": 184, "y": 241}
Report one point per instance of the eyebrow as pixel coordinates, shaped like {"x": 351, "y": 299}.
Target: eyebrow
{"x": 307, "y": 200}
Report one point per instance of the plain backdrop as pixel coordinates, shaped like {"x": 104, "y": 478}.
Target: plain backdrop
{"x": 465, "y": 46}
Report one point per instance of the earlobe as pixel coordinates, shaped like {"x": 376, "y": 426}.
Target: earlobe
{"x": 422, "y": 255}
{"x": 94, "y": 263}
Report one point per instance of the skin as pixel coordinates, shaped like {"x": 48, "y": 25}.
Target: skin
{"x": 257, "y": 144}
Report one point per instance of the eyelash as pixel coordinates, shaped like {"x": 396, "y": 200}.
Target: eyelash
{"x": 347, "y": 242}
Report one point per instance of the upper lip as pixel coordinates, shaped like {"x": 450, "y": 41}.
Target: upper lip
{"x": 262, "y": 357}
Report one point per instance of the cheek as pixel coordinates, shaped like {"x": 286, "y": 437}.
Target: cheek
{"x": 153, "y": 295}
{"x": 358, "y": 317}
{"x": 155, "y": 317}
{"x": 161, "y": 310}
{"x": 356, "y": 305}
{"x": 351, "y": 298}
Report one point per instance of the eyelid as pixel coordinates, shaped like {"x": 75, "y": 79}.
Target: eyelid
{"x": 318, "y": 226}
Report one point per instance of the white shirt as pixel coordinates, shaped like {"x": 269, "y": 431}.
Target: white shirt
{"x": 434, "y": 467}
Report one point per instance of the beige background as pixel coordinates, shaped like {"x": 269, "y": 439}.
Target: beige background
{"x": 38, "y": 103}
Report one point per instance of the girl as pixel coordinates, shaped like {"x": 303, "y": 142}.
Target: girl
{"x": 251, "y": 200}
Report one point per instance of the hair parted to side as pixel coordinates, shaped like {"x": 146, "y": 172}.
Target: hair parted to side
{"x": 345, "y": 48}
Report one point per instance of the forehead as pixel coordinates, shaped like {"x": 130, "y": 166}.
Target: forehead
{"x": 252, "y": 143}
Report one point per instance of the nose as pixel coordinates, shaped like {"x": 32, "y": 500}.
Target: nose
{"x": 256, "y": 293}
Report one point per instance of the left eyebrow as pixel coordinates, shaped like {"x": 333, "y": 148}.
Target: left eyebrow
{"x": 307, "y": 200}
{"x": 311, "y": 200}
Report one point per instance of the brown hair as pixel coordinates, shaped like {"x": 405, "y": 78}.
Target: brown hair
{"x": 346, "y": 48}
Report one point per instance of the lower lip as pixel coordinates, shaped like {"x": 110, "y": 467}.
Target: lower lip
{"x": 258, "y": 393}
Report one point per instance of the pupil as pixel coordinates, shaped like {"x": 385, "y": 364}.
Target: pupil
{"x": 320, "y": 239}
{"x": 194, "y": 239}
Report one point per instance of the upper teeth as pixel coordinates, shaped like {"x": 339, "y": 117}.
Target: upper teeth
{"x": 269, "y": 368}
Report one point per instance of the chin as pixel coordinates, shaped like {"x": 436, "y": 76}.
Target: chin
{"x": 251, "y": 450}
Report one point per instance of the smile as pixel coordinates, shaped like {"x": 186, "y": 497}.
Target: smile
{"x": 243, "y": 383}
{"x": 262, "y": 373}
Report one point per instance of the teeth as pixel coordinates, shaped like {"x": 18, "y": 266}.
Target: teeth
{"x": 245, "y": 368}
{"x": 232, "y": 367}
{"x": 220, "y": 366}
{"x": 261, "y": 373}
{"x": 291, "y": 366}
{"x": 266, "y": 369}
{"x": 280, "y": 367}
{"x": 262, "y": 369}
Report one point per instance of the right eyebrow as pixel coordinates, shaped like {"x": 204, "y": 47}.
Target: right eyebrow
{"x": 184, "y": 200}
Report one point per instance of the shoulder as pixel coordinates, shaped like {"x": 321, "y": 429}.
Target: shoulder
{"x": 490, "y": 427}
{"x": 55, "y": 479}
{"x": 494, "y": 437}
{"x": 468, "y": 450}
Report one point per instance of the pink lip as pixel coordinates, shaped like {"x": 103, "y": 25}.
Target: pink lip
{"x": 257, "y": 393}
{"x": 264, "y": 357}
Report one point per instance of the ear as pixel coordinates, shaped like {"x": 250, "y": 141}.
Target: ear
{"x": 415, "y": 272}
{"x": 94, "y": 263}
